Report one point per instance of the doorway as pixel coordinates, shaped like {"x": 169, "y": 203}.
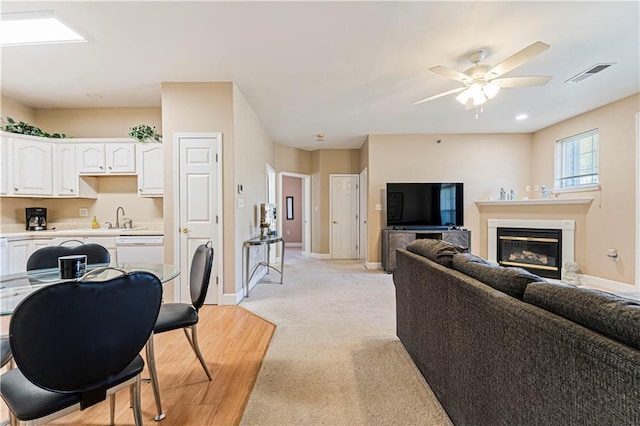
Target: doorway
{"x": 343, "y": 221}
{"x": 197, "y": 209}
{"x": 301, "y": 211}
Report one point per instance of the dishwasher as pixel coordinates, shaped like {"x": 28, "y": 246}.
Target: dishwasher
{"x": 140, "y": 249}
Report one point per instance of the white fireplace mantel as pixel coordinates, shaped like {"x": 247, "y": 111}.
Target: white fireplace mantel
{"x": 567, "y": 226}
{"x": 535, "y": 202}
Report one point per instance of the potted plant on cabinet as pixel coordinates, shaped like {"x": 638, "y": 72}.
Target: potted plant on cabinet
{"x": 144, "y": 133}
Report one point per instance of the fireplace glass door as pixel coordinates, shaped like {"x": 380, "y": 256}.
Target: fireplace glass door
{"x": 536, "y": 250}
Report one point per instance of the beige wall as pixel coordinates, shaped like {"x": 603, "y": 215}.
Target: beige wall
{"x": 292, "y": 160}
{"x": 200, "y": 108}
{"x": 253, "y": 151}
{"x": 610, "y": 220}
{"x": 18, "y": 111}
{"x": 97, "y": 122}
{"x": 485, "y": 163}
{"x": 292, "y": 228}
{"x": 324, "y": 163}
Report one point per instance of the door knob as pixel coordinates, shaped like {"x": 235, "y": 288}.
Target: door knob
{"x": 335, "y": 221}
{"x": 185, "y": 230}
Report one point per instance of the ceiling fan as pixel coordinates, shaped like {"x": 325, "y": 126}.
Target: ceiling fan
{"x": 481, "y": 83}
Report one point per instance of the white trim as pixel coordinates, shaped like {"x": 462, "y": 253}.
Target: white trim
{"x": 323, "y": 256}
{"x": 373, "y": 265}
{"x": 637, "y": 286}
{"x": 534, "y": 202}
{"x": 577, "y": 188}
{"x": 231, "y": 299}
{"x": 294, "y": 245}
{"x": 568, "y": 234}
{"x": 306, "y": 195}
{"x": 605, "y": 284}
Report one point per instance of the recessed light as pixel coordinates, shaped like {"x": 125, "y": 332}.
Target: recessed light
{"x": 39, "y": 27}
{"x": 522, "y": 117}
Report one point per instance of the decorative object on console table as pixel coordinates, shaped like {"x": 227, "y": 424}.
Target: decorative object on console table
{"x": 144, "y": 133}
{"x": 267, "y": 219}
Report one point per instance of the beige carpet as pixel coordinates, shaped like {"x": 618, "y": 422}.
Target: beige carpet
{"x": 335, "y": 358}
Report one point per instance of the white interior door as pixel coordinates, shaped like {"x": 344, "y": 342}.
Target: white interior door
{"x": 344, "y": 216}
{"x": 198, "y": 207}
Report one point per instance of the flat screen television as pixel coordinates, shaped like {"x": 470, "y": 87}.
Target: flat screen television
{"x": 425, "y": 205}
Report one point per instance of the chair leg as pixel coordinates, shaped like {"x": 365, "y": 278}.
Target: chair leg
{"x": 112, "y": 409}
{"x": 196, "y": 349}
{"x": 137, "y": 409}
{"x": 151, "y": 361}
{"x": 186, "y": 333}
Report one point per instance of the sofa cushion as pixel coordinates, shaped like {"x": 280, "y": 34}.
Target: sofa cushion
{"x": 604, "y": 313}
{"x": 439, "y": 251}
{"x": 512, "y": 281}
{"x": 461, "y": 258}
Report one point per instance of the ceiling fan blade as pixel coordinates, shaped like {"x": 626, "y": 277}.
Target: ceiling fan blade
{"x": 449, "y": 73}
{"x": 521, "y": 81}
{"x": 519, "y": 58}
{"x": 440, "y": 95}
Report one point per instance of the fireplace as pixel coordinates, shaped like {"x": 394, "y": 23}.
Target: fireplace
{"x": 566, "y": 246}
{"x": 536, "y": 250}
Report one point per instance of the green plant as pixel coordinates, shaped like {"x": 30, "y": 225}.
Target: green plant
{"x": 144, "y": 133}
{"x": 22, "y": 128}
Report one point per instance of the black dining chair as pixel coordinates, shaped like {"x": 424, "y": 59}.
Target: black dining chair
{"x": 174, "y": 316}
{"x": 47, "y": 257}
{"x": 76, "y": 342}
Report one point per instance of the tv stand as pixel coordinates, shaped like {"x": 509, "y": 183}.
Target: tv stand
{"x": 393, "y": 239}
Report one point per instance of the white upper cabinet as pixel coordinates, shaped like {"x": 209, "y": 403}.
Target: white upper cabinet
{"x": 149, "y": 169}
{"x": 91, "y": 158}
{"x": 107, "y": 158}
{"x": 65, "y": 180}
{"x": 32, "y": 167}
{"x": 121, "y": 158}
{"x": 5, "y": 171}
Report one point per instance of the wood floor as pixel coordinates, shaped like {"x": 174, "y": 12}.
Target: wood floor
{"x": 233, "y": 342}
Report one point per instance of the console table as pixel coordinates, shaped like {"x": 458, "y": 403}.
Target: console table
{"x": 260, "y": 241}
{"x": 393, "y": 239}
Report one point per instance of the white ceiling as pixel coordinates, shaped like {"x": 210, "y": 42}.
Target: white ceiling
{"x": 345, "y": 69}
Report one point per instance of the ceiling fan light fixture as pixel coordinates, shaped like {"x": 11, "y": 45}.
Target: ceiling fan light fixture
{"x": 463, "y": 97}
{"x": 490, "y": 90}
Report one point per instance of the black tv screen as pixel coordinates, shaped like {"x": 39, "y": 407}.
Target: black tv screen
{"x": 425, "y": 204}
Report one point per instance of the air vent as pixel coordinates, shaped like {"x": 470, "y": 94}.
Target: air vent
{"x": 589, "y": 73}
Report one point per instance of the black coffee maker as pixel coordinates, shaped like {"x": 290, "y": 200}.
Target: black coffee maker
{"x": 36, "y": 218}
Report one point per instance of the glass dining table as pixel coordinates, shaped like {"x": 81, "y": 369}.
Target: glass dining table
{"x": 15, "y": 287}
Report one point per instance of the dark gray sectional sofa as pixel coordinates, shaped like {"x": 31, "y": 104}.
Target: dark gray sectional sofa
{"x": 513, "y": 349}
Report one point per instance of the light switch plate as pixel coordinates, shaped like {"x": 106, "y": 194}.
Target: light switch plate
{"x": 84, "y": 212}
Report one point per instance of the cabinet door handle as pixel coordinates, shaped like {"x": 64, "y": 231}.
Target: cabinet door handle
{"x": 72, "y": 190}
{"x": 101, "y": 168}
{"x": 110, "y": 168}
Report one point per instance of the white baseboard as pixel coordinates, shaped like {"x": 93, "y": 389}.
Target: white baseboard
{"x": 294, "y": 244}
{"x": 324, "y": 256}
{"x": 605, "y": 284}
{"x": 373, "y": 265}
{"x": 232, "y": 298}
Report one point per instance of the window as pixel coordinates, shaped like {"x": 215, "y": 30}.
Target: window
{"x": 577, "y": 160}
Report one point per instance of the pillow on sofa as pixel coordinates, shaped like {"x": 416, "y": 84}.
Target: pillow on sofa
{"x": 608, "y": 314}
{"x": 437, "y": 250}
{"x": 512, "y": 281}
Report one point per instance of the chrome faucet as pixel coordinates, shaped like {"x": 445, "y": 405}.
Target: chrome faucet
{"x": 117, "y": 217}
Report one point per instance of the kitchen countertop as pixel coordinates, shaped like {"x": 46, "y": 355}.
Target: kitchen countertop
{"x": 85, "y": 232}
